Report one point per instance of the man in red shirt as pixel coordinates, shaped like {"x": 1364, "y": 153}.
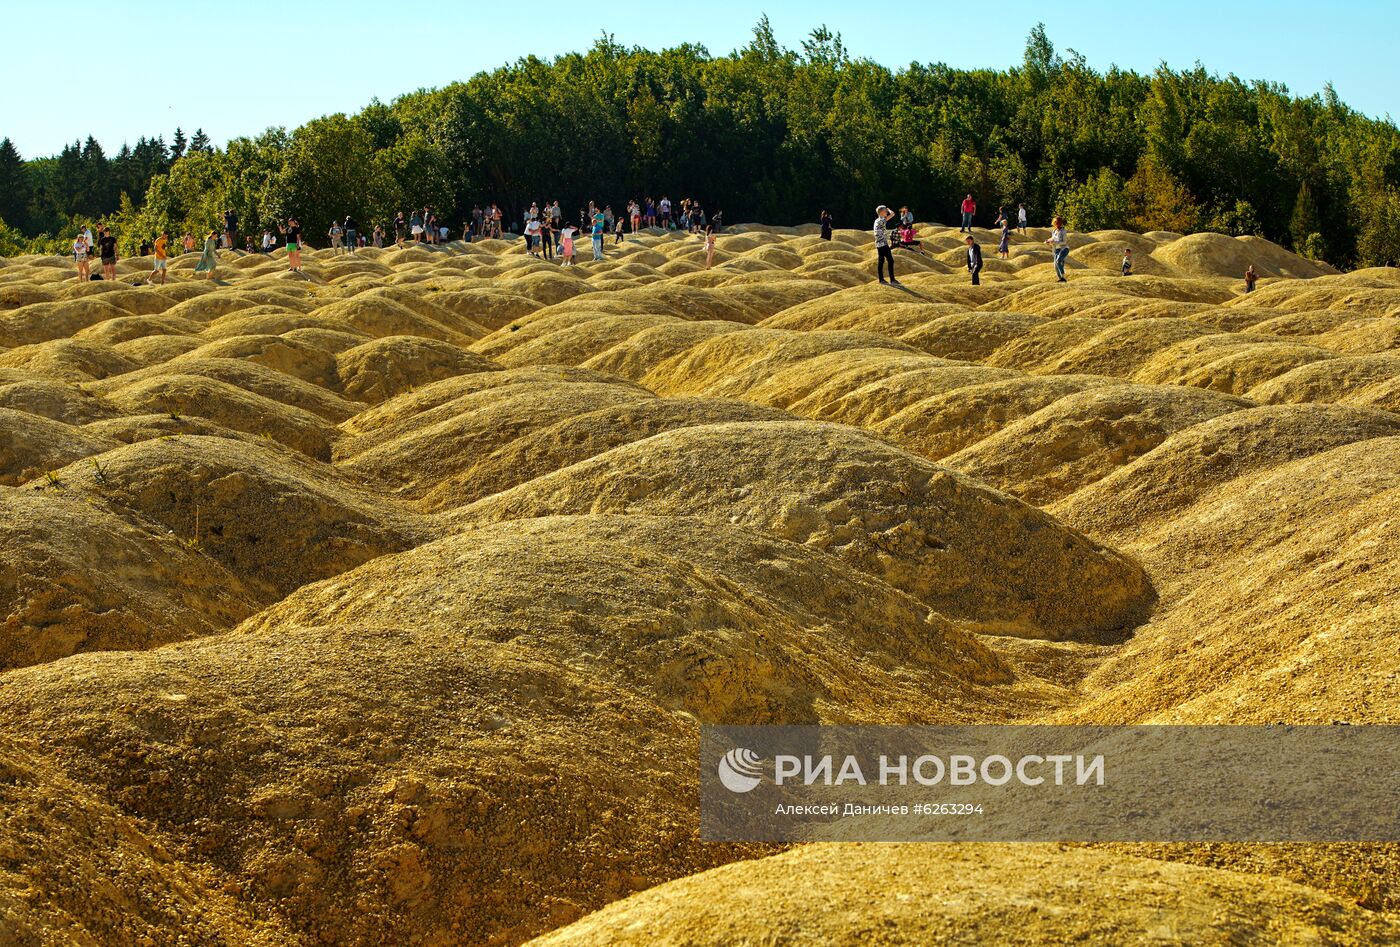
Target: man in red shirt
{"x": 969, "y": 207}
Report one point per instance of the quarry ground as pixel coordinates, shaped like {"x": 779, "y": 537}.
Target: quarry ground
{"x": 383, "y": 604}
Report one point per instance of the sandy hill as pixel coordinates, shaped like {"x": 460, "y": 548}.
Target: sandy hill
{"x": 383, "y": 604}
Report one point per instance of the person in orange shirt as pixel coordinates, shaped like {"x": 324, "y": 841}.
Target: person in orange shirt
{"x": 158, "y": 269}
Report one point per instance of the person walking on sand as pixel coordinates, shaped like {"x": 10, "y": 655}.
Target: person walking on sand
{"x": 884, "y": 255}
{"x": 1059, "y": 243}
{"x": 335, "y": 233}
{"x": 1251, "y": 276}
{"x": 209, "y": 259}
{"x": 969, "y": 210}
{"x": 292, "y": 231}
{"x": 974, "y": 260}
{"x": 400, "y": 229}
{"x": 107, "y": 250}
{"x": 158, "y": 268}
{"x": 617, "y": 229}
{"x": 1021, "y": 218}
{"x": 1127, "y": 266}
{"x": 709, "y": 246}
{"x": 1004, "y": 244}
{"x": 825, "y": 222}
{"x": 80, "y": 257}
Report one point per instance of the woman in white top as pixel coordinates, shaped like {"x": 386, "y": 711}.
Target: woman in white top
{"x": 532, "y": 237}
{"x": 1059, "y": 243}
{"x": 80, "y": 256}
{"x": 1021, "y": 218}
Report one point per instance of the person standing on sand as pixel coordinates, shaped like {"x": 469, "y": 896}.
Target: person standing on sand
{"x": 709, "y": 247}
{"x": 825, "y": 222}
{"x": 547, "y": 236}
{"x": 335, "y": 233}
{"x": 532, "y": 237}
{"x": 107, "y": 249}
{"x": 600, "y": 221}
{"x": 1127, "y": 262}
{"x": 378, "y": 237}
{"x": 293, "y": 233}
{"x": 969, "y": 210}
{"x": 80, "y": 256}
{"x": 1059, "y": 243}
{"x": 1251, "y": 276}
{"x": 209, "y": 259}
{"x": 158, "y": 268}
{"x": 974, "y": 260}
{"x": 566, "y": 245}
{"x": 1004, "y": 244}
{"x": 1021, "y": 218}
{"x": 352, "y": 233}
{"x": 883, "y": 253}
{"x": 400, "y": 229}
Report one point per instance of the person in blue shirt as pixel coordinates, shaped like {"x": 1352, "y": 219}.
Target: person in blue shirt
{"x": 600, "y": 222}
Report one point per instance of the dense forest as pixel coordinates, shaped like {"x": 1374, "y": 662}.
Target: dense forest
{"x": 775, "y": 135}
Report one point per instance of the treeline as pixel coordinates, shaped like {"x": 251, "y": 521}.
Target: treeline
{"x": 774, "y": 134}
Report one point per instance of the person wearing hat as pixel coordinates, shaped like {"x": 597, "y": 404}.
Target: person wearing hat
{"x": 974, "y": 260}
{"x": 883, "y": 253}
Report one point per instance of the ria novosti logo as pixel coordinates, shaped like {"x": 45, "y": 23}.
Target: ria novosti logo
{"x": 740, "y": 770}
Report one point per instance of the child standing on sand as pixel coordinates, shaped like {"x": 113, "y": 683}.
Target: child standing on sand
{"x": 1128, "y": 262}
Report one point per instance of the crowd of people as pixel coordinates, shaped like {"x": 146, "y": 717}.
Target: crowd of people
{"x": 549, "y": 236}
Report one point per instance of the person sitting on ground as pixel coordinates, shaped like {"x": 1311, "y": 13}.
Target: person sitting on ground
{"x": 974, "y": 260}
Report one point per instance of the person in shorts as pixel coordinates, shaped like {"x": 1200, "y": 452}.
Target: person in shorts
{"x": 158, "y": 268}
{"x": 80, "y": 256}
{"x": 292, "y": 230}
{"x": 107, "y": 248}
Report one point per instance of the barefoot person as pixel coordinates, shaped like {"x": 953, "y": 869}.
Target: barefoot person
{"x": 884, "y": 255}
{"x": 1004, "y": 244}
{"x": 709, "y": 246}
{"x": 158, "y": 270}
{"x": 292, "y": 231}
{"x": 209, "y": 259}
{"x": 1127, "y": 265}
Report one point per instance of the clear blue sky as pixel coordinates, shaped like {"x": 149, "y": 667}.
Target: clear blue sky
{"x": 235, "y": 68}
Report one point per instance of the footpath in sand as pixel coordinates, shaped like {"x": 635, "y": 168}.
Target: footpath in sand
{"x": 384, "y": 604}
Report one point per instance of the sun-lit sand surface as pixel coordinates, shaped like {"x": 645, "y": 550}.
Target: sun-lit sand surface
{"x": 383, "y": 604}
